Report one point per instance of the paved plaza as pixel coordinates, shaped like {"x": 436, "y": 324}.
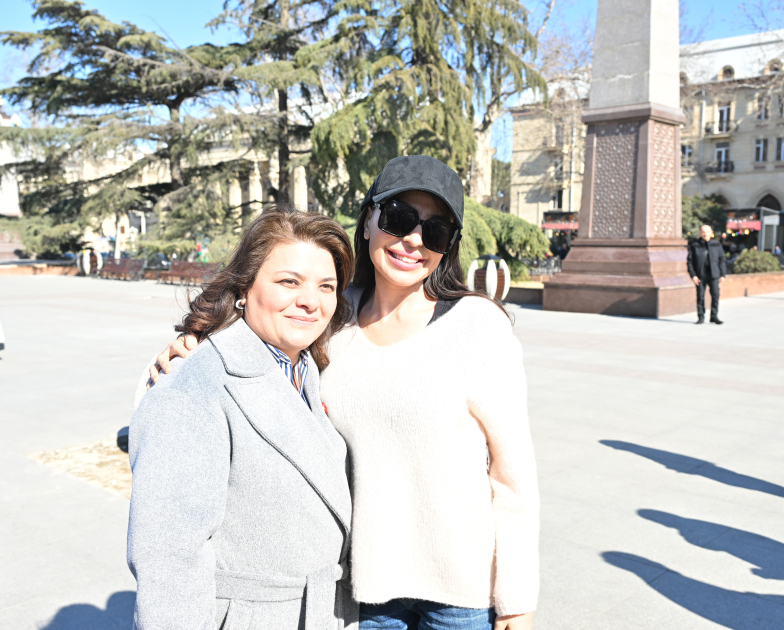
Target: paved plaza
{"x": 659, "y": 446}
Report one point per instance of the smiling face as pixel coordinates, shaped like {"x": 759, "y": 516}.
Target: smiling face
{"x": 404, "y": 261}
{"x": 293, "y": 297}
{"x": 706, "y": 232}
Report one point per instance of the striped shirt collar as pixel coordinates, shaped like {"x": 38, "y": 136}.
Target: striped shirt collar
{"x": 295, "y": 373}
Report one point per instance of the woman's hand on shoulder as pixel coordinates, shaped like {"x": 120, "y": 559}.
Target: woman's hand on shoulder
{"x": 515, "y": 622}
{"x": 180, "y": 347}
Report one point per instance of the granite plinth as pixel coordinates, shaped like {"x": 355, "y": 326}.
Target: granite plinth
{"x": 629, "y": 258}
{"x": 606, "y": 298}
{"x": 639, "y": 277}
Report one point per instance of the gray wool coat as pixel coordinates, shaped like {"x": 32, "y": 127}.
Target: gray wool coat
{"x": 240, "y": 510}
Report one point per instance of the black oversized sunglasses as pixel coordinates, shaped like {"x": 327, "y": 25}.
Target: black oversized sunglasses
{"x": 400, "y": 219}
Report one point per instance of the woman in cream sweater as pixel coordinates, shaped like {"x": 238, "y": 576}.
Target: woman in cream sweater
{"x": 426, "y": 383}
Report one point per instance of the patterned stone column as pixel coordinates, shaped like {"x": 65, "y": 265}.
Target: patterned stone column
{"x": 629, "y": 258}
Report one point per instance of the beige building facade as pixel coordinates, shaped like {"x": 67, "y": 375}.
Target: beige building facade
{"x": 251, "y": 190}
{"x": 732, "y": 94}
{"x": 548, "y": 147}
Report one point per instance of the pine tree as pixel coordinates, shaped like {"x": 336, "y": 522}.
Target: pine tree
{"x": 497, "y": 53}
{"x": 438, "y": 68}
{"x": 108, "y": 89}
{"x": 296, "y": 44}
{"x": 409, "y": 100}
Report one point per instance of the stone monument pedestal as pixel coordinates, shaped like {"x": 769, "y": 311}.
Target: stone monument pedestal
{"x": 629, "y": 258}
{"x": 636, "y": 277}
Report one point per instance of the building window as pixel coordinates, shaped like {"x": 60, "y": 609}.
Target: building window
{"x": 557, "y": 200}
{"x": 780, "y": 149}
{"x": 780, "y": 101}
{"x": 722, "y": 157}
{"x": 769, "y": 202}
{"x": 763, "y": 108}
{"x": 558, "y": 170}
{"x": 684, "y": 79}
{"x": 774, "y": 66}
{"x": 761, "y": 150}
{"x": 724, "y": 118}
{"x": 727, "y": 73}
{"x": 686, "y": 153}
{"x": 559, "y": 134}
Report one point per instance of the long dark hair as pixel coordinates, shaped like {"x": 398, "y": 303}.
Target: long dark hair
{"x": 213, "y": 309}
{"x": 445, "y": 283}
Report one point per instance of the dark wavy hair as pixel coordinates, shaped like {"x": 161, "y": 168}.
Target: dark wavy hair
{"x": 445, "y": 283}
{"x": 213, "y": 309}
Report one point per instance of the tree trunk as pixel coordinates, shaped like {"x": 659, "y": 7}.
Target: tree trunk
{"x": 283, "y": 147}
{"x": 117, "y": 252}
{"x": 480, "y": 182}
{"x": 284, "y": 153}
{"x": 175, "y": 151}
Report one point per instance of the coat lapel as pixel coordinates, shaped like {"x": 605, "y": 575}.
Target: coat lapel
{"x": 284, "y": 421}
{"x": 280, "y": 416}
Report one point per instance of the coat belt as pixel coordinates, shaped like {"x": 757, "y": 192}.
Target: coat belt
{"x": 318, "y": 588}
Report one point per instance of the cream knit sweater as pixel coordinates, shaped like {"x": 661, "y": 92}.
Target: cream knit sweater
{"x": 429, "y": 521}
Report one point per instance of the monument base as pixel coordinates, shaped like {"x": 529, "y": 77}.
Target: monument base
{"x": 634, "y": 277}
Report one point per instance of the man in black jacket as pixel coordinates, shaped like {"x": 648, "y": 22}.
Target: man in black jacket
{"x": 707, "y": 266}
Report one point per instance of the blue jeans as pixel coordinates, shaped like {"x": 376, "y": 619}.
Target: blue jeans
{"x": 416, "y": 614}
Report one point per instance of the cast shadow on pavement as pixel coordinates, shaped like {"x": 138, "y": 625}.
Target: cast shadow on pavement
{"x": 117, "y": 616}
{"x": 700, "y": 467}
{"x": 729, "y": 609}
{"x": 766, "y": 554}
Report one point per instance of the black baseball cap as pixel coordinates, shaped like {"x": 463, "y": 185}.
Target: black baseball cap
{"x": 418, "y": 172}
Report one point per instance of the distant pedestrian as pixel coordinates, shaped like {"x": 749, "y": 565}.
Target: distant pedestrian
{"x": 707, "y": 266}
{"x": 777, "y": 251}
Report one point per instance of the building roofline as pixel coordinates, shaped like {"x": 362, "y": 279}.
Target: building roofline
{"x": 738, "y": 42}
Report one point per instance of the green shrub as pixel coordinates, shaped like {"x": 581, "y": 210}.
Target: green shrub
{"x": 753, "y": 261}
{"x": 698, "y": 211}
{"x": 478, "y": 239}
{"x": 488, "y": 231}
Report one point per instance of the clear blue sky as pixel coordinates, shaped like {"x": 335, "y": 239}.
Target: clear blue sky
{"x": 184, "y": 20}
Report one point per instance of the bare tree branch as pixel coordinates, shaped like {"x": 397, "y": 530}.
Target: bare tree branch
{"x": 550, "y": 7}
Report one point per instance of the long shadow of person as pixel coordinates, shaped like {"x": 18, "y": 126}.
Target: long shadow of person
{"x": 117, "y": 616}
{"x": 767, "y": 554}
{"x": 730, "y": 609}
{"x": 693, "y": 466}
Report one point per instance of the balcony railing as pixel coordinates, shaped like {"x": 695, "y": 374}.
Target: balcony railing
{"x": 721, "y": 166}
{"x": 721, "y": 127}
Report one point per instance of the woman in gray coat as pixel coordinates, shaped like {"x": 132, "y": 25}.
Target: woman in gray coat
{"x": 241, "y": 509}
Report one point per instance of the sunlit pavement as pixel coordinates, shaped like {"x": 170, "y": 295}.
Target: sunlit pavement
{"x": 659, "y": 446}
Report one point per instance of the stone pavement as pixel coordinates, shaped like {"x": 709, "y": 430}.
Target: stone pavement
{"x": 658, "y": 443}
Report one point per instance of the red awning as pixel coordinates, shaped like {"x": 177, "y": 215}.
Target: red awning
{"x": 562, "y": 226}
{"x": 744, "y": 225}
